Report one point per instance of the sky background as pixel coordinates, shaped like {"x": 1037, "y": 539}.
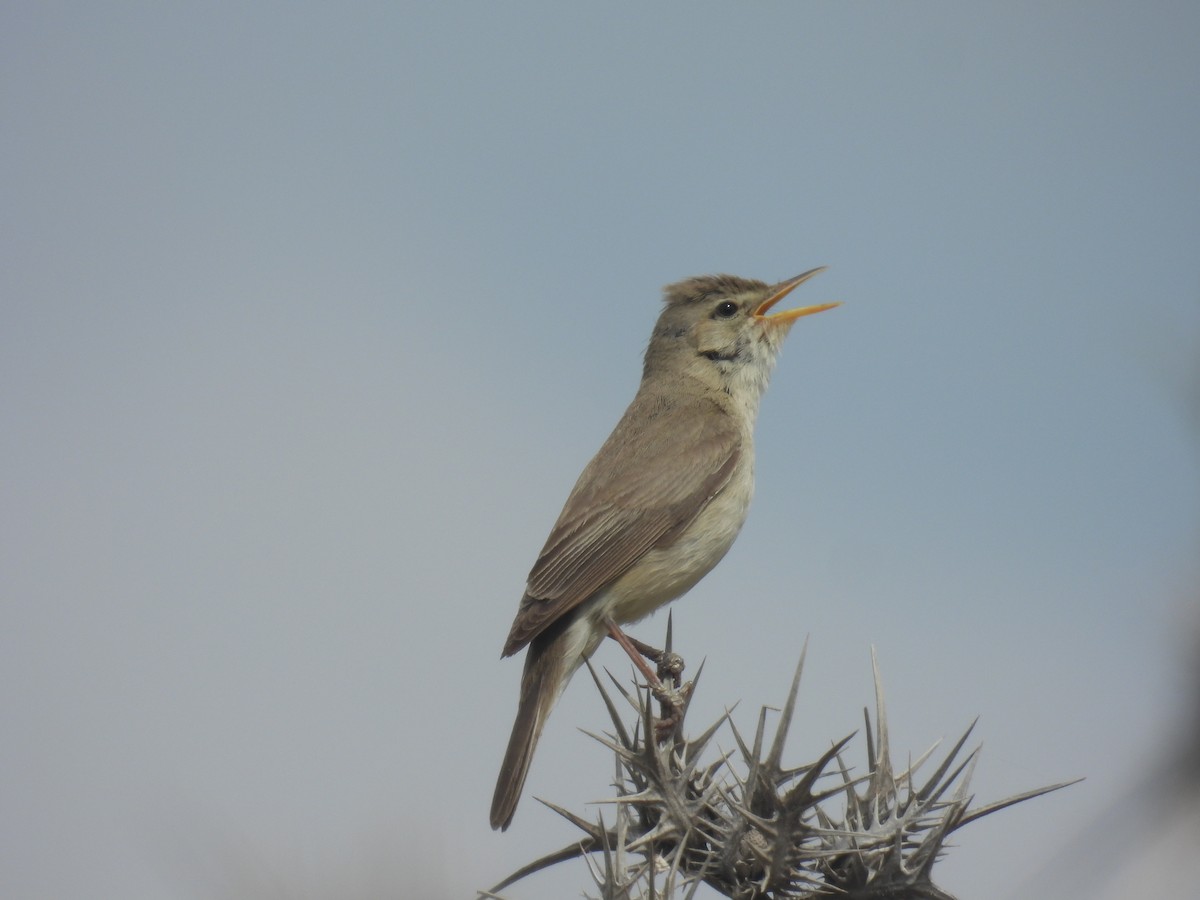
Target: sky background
{"x": 310, "y": 314}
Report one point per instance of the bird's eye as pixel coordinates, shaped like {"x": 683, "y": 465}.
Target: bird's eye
{"x": 726, "y": 310}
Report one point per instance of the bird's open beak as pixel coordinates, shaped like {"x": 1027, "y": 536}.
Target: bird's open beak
{"x": 781, "y": 290}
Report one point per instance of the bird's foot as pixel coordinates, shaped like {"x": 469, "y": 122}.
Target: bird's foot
{"x": 670, "y": 664}
{"x": 664, "y": 683}
{"x": 672, "y": 704}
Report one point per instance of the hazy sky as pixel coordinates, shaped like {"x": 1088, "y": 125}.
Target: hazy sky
{"x": 310, "y": 314}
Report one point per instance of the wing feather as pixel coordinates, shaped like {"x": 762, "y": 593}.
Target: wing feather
{"x": 663, "y": 463}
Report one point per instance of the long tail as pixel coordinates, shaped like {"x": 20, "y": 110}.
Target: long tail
{"x": 550, "y": 661}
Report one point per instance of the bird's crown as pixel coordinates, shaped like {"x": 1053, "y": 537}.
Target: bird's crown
{"x": 702, "y": 287}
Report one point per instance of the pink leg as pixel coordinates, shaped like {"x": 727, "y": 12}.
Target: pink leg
{"x": 638, "y": 660}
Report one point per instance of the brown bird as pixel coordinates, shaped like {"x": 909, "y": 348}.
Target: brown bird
{"x": 659, "y": 504}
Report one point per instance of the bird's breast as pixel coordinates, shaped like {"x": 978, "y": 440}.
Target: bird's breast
{"x": 666, "y": 573}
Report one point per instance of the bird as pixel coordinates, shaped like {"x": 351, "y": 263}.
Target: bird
{"x": 659, "y": 504}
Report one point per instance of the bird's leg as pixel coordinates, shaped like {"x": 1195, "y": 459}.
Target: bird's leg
{"x": 671, "y": 700}
{"x": 630, "y": 646}
{"x": 670, "y": 664}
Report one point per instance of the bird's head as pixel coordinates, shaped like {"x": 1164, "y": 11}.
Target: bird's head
{"x": 720, "y": 328}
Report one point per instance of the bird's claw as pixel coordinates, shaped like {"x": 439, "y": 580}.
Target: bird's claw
{"x": 673, "y": 703}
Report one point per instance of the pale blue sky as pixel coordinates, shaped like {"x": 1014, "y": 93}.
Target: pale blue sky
{"x": 310, "y": 314}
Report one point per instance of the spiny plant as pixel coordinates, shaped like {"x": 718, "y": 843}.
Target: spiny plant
{"x": 749, "y": 827}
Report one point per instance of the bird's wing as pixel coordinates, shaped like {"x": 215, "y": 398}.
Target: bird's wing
{"x": 663, "y": 463}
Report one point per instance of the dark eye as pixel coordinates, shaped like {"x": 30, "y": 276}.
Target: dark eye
{"x": 726, "y": 310}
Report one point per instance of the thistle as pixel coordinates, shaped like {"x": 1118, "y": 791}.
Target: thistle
{"x": 750, "y": 827}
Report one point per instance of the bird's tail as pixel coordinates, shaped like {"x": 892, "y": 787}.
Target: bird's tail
{"x": 550, "y": 661}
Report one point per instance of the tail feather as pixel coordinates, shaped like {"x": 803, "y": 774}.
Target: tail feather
{"x": 547, "y": 670}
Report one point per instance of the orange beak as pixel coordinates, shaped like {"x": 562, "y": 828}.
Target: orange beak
{"x": 781, "y": 290}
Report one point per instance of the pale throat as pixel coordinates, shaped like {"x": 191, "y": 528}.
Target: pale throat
{"x": 745, "y": 378}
